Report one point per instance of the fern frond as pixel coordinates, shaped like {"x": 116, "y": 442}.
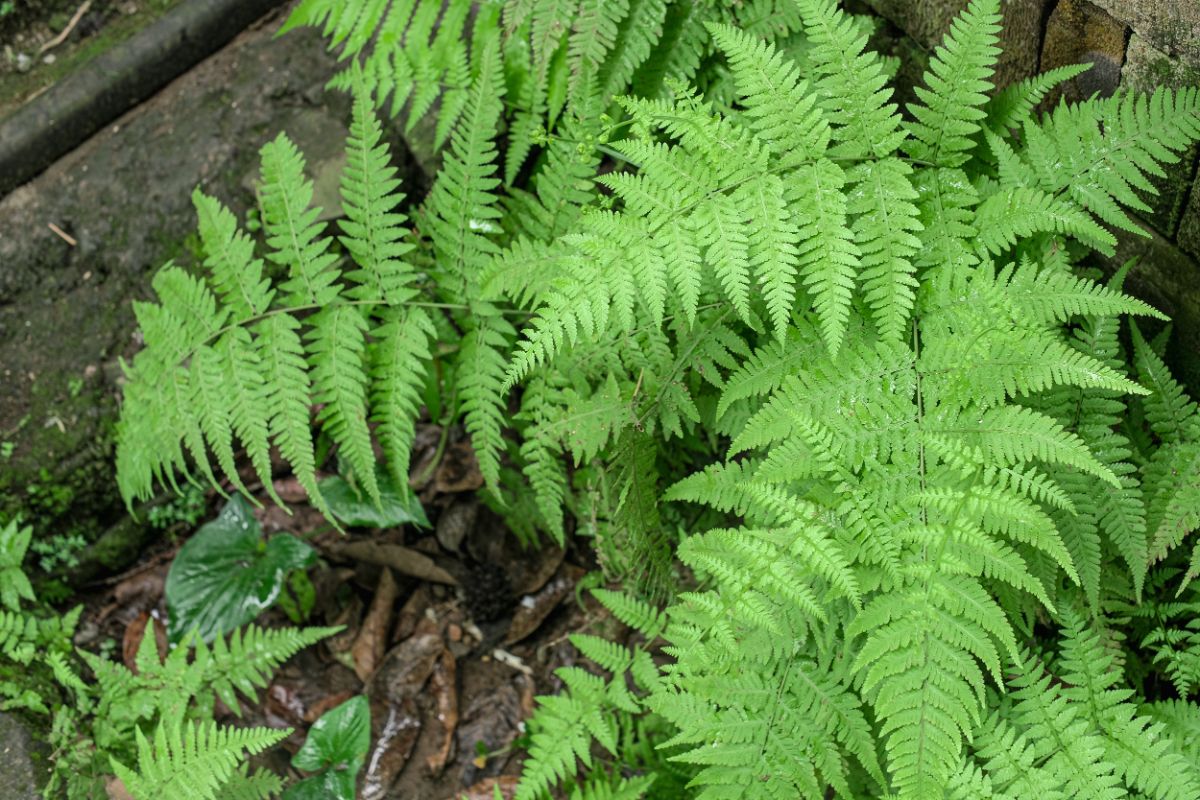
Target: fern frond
{"x": 245, "y": 661}
{"x": 956, "y": 85}
{"x": 852, "y": 83}
{"x": 14, "y": 585}
{"x": 190, "y": 760}
{"x": 292, "y": 228}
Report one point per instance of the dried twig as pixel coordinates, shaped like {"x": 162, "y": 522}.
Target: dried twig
{"x": 62, "y": 37}
{"x": 66, "y": 237}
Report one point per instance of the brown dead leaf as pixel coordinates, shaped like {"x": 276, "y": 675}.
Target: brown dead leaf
{"x": 486, "y": 789}
{"x": 350, "y": 616}
{"x": 456, "y": 522}
{"x": 459, "y": 470}
{"x": 115, "y": 789}
{"x": 410, "y": 613}
{"x": 135, "y": 631}
{"x": 372, "y": 641}
{"x": 329, "y": 701}
{"x": 443, "y": 683}
{"x": 290, "y": 491}
{"x": 533, "y": 609}
{"x": 395, "y": 718}
{"x": 404, "y": 560}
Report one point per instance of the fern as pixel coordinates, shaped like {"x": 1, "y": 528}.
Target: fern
{"x": 720, "y": 293}
{"x": 192, "y": 761}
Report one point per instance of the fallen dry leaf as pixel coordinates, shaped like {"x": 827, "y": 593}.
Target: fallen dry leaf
{"x": 443, "y": 684}
{"x": 372, "y": 641}
{"x": 395, "y": 718}
{"x": 456, "y": 522}
{"x": 403, "y": 559}
{"x": 410, "y": 613}
{"x": 533, "y": 609}
{"x": 459, "y": 470}
{"x": 134, "y": 632}
{"x": 115, "y": 789}
{"x": 486, "y": 789}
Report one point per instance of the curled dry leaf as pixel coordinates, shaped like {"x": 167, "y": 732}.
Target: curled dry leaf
{"x": 443, "y": 684}
{"x": 486, "y": 789}
{"x": 395, "y": 717}
{"x": 134, "y": 632}
{"x": 456, "y": 522}
{"x": 403, "y": 559}
{"x": 533, "y": 609}
{"x": 459, "y": 470}
{"x": 411, "y": 613}
{"x": 371, "y": 643}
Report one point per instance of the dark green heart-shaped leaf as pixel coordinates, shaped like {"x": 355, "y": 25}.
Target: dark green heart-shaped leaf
{"x": 336, "y": 745}
{"x": 331, "y": 785}
{"x": 341, "y": 736}
{"x": 397, "y": 507}
{"x": 226, "y": 575}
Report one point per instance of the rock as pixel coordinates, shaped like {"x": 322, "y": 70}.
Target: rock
{"x": 1166, "y": 278}
{"x": 1147, "y": 68}
{"x": 927, "y": 21}
{"x": 1170, "y": 25}
{"x": 1078, "y": 32}
{"x": 18, "y": 754}
{"x": 1189, "y": 226}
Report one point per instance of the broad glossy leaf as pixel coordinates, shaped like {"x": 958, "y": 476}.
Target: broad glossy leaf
{"x": 331, "y": 785}
{"x": 341, "y": 736}
{"x": 354, "y": 509}
{"x": 336, "y": 745}
{"x": 226, "y": 575}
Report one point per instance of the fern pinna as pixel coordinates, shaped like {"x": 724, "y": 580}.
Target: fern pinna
{"x": 920, "y": 467}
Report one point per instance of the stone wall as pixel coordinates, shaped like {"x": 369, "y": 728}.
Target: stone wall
{"x": 1131, "y": 44}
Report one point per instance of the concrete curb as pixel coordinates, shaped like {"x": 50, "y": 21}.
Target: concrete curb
{"x": 59, "y": 120}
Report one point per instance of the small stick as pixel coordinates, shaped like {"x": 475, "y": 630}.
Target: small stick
{"x": 62, "y": 37}
{"x": 66, "y": 237}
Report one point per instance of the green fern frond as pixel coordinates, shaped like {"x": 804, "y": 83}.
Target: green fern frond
{"x": 244, "y": 662}
{"x": 190, "y": 760}
{"x": 956, "y": 86}
{"x": 852, "y": 83}
{"x": 14, "y": 585}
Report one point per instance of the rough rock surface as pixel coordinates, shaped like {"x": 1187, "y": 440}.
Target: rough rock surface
{"x": 1171, "y": 25}
{"x": 18, "y": 770}
{"x": 1078, "y": 32}
{"x": 927, "y": 21}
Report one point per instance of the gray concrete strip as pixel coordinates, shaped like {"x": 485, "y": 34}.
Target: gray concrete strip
{"x": 57, "y": 121}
